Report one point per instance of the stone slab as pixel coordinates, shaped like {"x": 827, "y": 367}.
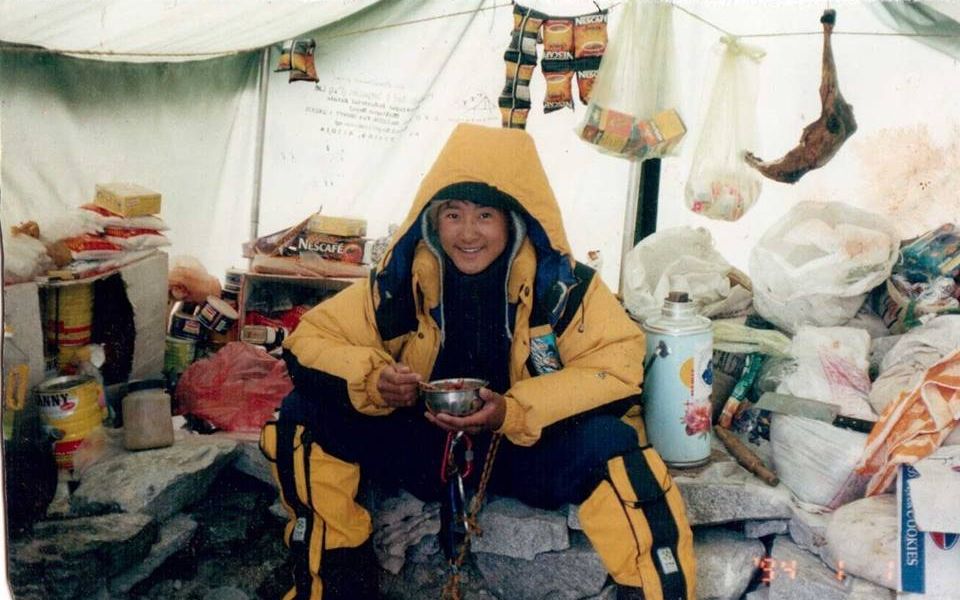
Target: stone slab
{"x": 513, "y": 529}
{"x": 174, "y": 536}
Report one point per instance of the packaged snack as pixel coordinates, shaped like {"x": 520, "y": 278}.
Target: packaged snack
{"x": 301, "y": 61}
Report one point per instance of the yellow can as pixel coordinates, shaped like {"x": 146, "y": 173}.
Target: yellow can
{"x": 68, "y": 400}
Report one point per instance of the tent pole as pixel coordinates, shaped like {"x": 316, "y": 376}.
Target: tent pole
{"x": 646, "y": 222}
{"x": 640, "y": 219}
{"x": 258, "y": 146}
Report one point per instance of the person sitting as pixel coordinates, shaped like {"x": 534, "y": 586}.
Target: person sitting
{"x": 478, "y": 282}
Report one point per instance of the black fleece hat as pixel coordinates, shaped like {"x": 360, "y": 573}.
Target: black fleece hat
{"x": 478, "y": 193}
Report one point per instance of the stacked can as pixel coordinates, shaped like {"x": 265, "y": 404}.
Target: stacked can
{"x": 71, "y": 407}
{"x": 68, "y": 312}
{"x": 183, "y": 337}
{"x": 231, "y": 287}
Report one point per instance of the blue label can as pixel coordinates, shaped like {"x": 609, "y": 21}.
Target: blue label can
{"x": 678, "y": 382}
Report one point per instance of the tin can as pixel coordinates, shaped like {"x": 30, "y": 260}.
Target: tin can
{"x": 678, "y": 381}
{"x": 216, "y": 315}
{"x": 233, "y": 280}
{"x": 178, "y": 355}
{"x": 71, "y": 407}
{"x": 185, "y": 326}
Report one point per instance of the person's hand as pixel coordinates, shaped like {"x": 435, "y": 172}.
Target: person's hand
{"x": 488, "y": 418}
{"x": 398, "y": 385}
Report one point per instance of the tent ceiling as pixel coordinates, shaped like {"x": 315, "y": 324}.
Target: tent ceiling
{"x": 168, "y": 30}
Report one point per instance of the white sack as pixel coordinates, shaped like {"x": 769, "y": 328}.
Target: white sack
{"x": 816, "y": 264}
{"x": 816, "y": 460}
{"x": 680, "y": 259}
{"x": 832, "y": 365}
{"x": 904, "y": 365}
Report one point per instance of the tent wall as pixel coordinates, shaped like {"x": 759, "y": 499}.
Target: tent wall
{"x": 186, "y": 130}
{"x": 359, "y": 141}
{"x": 904, "y": 159}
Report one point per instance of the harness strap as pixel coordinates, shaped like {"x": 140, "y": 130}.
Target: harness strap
{"x": 287, "y": 446}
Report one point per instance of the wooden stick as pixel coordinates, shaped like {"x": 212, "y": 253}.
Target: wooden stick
{"x": 746, "y": 457}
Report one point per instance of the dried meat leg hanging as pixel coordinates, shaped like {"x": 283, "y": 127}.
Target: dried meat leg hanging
{"x": 822, "y": 138}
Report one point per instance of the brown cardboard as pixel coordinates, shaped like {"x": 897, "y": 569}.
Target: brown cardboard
{"x": 127, "y": 199}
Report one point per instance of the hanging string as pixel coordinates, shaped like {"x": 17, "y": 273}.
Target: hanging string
{"x": 29, "y": 48}
{"x": 817, "y": 32}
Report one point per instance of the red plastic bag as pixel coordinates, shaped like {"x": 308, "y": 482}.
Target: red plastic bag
{"x": 236, "y": 389}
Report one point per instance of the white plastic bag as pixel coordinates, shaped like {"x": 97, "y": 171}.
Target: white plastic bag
{"x": 816, "y": 264}
{"x": 632, "y": 110}
{"x": 905, "y": 364}
{"x": 720, "y": 184}
{"x": 680, "y": 259}
{"x": 816, "y": 460}
{"x": 832, "y": 366}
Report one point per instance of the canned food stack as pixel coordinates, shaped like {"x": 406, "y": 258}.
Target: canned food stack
{"x": 233, "y": 282}
{"x": 184, "y": 335}
{"x": 71, "y": 407}
{"x": 68, "y": 312}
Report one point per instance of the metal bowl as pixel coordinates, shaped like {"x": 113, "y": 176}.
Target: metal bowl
{"x": 457, "y": 397}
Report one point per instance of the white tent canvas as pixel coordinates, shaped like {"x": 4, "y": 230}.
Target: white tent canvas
{"x": 394, "y": 79}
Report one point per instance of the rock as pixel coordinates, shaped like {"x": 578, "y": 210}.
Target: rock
{"x": 403, "y": 523}
{"x": 157, "y": 482}
{"x": 726, "y": 562}
{"x": 573, "y": 573}
{"x": 809, "y": 530}
{"x": 74, "y": 558}
{"x": 762, "y": 593}
{"x": 725, "y": 492}
{"x": 866, "y": 590}
{"x": 174, "y": 536}
{"x": 573, "y": 517}
{"x": 250, "y": 460}
{"x": 862, "y": 537}
{"x": 511, "y": 528}
{"x": 761, "y": 528}
{"x": 422, "y": 551}
{"x": 795, "y": 574}
{"x": 607, "y": 593}
{"x": 226, "y": 593}
{"x": 227, "y": 520}
{"x": 396, "y": 508}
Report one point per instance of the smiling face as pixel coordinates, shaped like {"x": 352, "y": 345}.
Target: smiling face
{"x": 472, "y": 235}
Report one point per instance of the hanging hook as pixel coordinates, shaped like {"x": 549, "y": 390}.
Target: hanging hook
{"x": 599, "y": 10}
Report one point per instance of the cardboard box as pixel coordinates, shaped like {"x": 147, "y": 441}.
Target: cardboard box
{"x": 929, "y": 523}
{"x": 340, "y": 226}
{"x": 127, "y": 199}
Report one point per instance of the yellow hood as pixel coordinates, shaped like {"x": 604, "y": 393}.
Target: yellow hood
{"x": 505, "y": 159}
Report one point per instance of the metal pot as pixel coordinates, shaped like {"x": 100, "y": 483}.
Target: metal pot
{"x": 457, "y": 397}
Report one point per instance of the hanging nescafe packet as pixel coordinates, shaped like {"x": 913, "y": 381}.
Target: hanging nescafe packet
{"x": 590, "y": 35}
{"x": 586, "y": 75}
{"x": 526, "y": 30}
{"x": 559, "y": 94}
{"x": 301, "y": 61}
{"x": 558, "y": 39}
{"x": 283, "y": 63}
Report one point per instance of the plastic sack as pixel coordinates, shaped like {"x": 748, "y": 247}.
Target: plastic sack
{"x": 816, "y": 460}
{"x": 236, "y": 389}
{"x": 24, "y": 257}
{"x": 189, "y": 280}
{"x": 682, "y": 259}
{"x": 720, "y": 184}
{"x": 905, "y": 364}
{"x": 632, "y": 110}
{"x": 832, "y": 366}
{"x": 816, "y": 264}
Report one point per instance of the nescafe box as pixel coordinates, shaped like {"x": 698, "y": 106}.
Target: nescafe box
{"x": 330, "y": 247}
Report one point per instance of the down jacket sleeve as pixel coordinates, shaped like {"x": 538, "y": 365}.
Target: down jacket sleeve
{"x": 602, "y": 353}
{"x": 339, "y": 337}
